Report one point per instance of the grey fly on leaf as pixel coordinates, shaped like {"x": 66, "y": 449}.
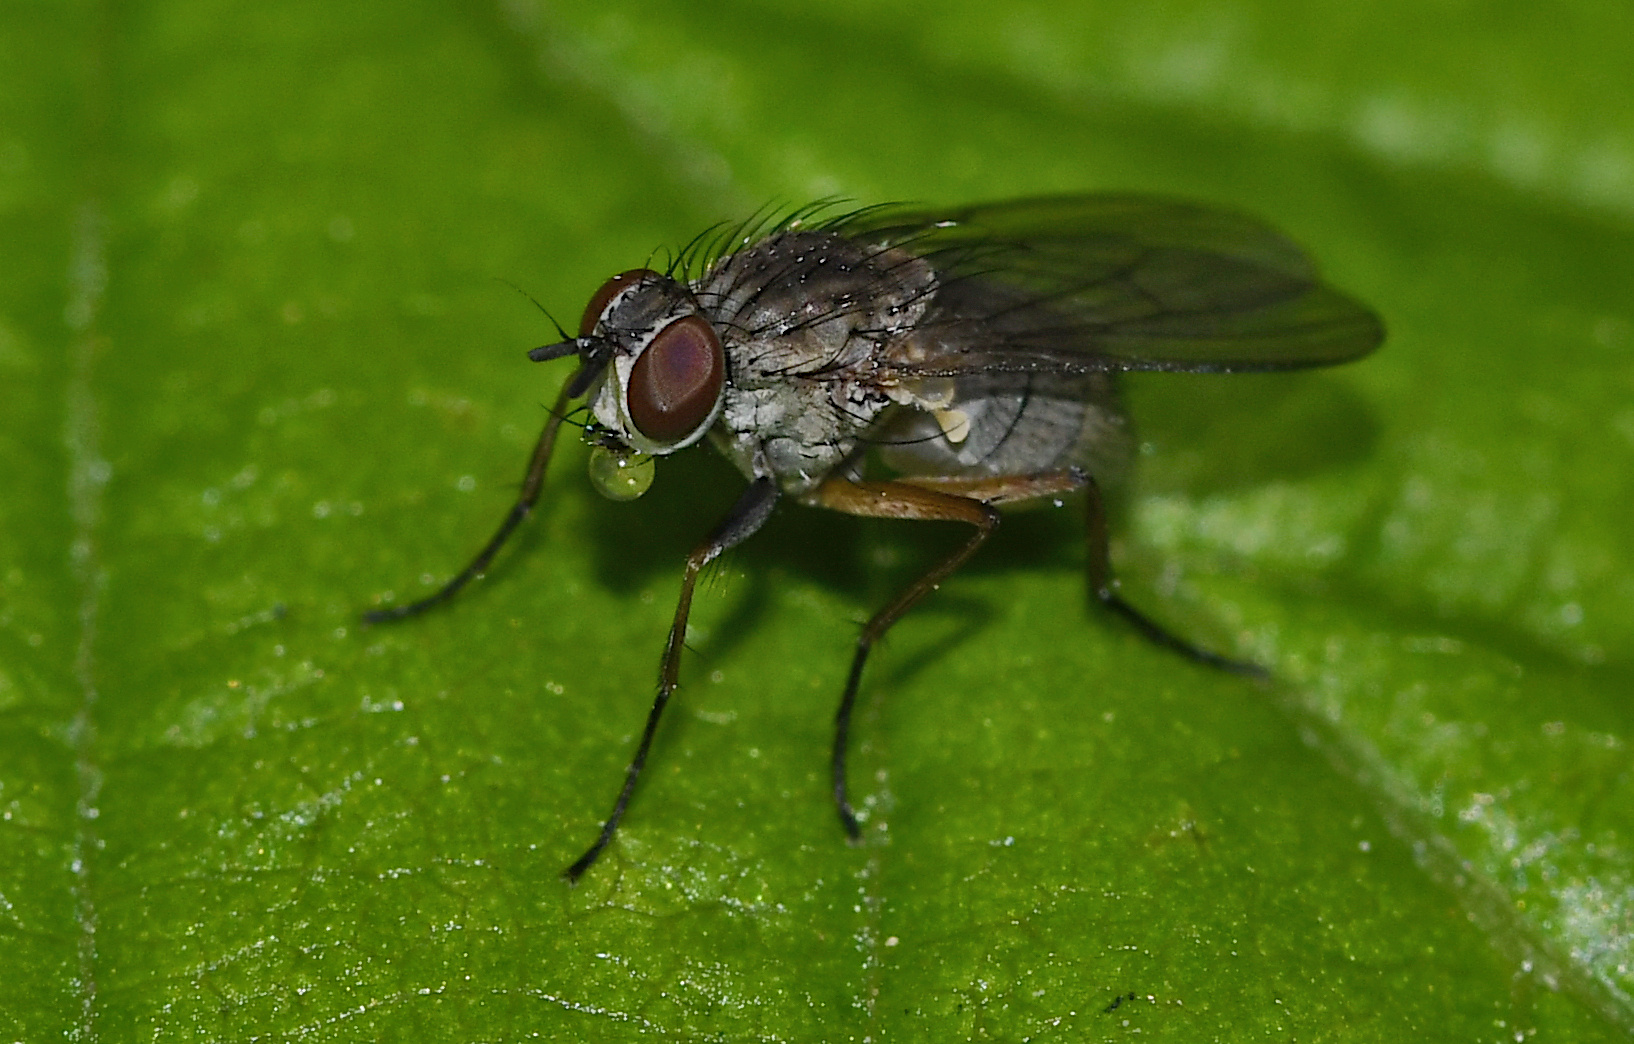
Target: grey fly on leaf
{"x": 896, "y": 362}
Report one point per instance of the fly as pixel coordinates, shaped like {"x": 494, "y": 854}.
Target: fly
{"x": 934, "y": 365}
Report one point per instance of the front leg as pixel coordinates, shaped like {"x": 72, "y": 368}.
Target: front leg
{"x": 532, "y": 483}
{"x": 751, "y": 511}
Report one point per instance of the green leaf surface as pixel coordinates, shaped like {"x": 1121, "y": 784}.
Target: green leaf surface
{"x": 259, "y": 370}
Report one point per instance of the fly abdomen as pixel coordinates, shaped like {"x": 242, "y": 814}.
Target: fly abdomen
{"x": 1023, "y": 430}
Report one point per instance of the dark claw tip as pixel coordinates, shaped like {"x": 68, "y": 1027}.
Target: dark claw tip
{"x": 853, "y": 832}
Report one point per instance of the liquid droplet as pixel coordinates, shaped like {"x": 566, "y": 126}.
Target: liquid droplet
{"x": 620, "y": 474}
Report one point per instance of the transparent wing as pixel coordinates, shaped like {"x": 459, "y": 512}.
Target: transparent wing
{"x": 1079, "y": 284}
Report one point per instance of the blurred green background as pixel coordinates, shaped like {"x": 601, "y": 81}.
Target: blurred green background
{"x": 259, "y": 367}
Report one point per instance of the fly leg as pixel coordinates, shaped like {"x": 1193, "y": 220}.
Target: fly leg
{"x": 531, "y": 485}
{"x": 1105, "y": 588}
{"x": 751, "y": 511}
{"x": 964, "y": 501}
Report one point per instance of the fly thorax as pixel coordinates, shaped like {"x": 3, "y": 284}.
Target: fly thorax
{"x": 806, "y": 318}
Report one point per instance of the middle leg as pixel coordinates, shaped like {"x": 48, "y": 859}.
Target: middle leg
{"x": 965, "y": 501}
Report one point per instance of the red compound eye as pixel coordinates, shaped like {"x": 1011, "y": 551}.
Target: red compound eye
{"x": 609, "y": 290}
{"x": 676, "y": 382}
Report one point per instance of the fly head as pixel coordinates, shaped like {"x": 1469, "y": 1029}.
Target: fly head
{"x": 653, "y": 367}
